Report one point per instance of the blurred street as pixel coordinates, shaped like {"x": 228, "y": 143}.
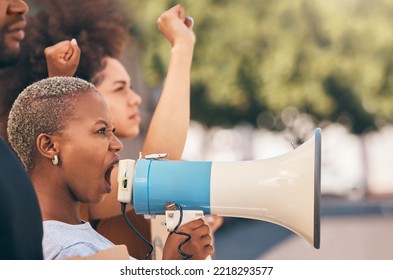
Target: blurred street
{"x": 361, "y": 230}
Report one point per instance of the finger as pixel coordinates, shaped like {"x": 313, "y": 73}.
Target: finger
{"x": 76, "y": 51}
{"x": 209, "y": 250}
{"x": 73, "y": 50}
{"x": 68, "y": 53}
{"x": 210, "y": 219}
{"x": 214, "y": 222}
{"x": 74, "y": 42}
{"x": 189, "y": 21}
{"x": 180, "y": 11}
{"x": 201, "y": 231}
{"x": 206, "y": 240}
{"x": 57, "y": 48}
{"x": 192, "y": 225}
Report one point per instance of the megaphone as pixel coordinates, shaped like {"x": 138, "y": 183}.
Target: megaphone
{"x": 283, "y": 190}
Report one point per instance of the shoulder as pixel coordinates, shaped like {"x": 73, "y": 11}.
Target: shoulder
{"x": 63, "y": 240}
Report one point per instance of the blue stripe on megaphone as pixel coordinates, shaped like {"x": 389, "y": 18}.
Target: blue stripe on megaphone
{"x": 157, "y": 182}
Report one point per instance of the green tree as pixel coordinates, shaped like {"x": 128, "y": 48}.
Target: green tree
{"x": 253, "y": 59}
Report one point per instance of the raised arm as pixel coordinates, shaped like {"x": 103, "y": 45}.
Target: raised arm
{"x": 169, "y": 125}
{"x": 168, "y": 128}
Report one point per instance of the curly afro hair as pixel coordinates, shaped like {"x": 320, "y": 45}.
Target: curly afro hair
{"x": 98, "y": 26}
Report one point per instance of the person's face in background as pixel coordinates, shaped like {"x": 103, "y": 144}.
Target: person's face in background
{"x": 12, "y": 24}
{"x": 116, "y": 87}
{"x": 88, "y": 149}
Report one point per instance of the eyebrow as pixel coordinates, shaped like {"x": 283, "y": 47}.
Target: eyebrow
{"x": 103, "y": 122}
{"x": 120, "y": 82}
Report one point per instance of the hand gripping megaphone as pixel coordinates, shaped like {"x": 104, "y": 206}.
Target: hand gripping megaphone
{"x": 284, "y": 190}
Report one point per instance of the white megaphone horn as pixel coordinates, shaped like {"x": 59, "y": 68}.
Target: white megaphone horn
{"x": 284, "y": 190}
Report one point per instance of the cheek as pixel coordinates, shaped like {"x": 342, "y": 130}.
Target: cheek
{"x": 83, "y": 171}
{"x": 79, "y": 154}
{"x": 130, "y": 131}
{"x": 83, "y": 162}
{"x": 125, "y": 127}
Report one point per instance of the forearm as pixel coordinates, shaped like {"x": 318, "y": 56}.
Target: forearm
{"x": 168, "y": 129}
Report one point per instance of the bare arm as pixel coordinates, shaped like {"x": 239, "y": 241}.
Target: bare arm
{"x": 169, "y": 125}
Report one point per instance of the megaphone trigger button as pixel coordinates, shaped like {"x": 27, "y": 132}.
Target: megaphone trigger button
{"x": 169, "y": 206}
{"x": 156, "y": 156}
{"x": 125, "y": 183}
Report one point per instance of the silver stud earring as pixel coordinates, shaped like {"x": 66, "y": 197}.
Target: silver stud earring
{"x": 55, "y": 160}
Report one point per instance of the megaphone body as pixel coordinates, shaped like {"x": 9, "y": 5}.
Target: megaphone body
{"x": 284, "y": 190}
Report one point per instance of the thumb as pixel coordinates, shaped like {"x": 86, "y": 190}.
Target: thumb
{"x": 74, "y": 42}
{"x": 189, "y": 21}
{"x": 75, "y": 50}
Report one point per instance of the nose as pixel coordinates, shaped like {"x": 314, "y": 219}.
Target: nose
{"x": 17, "y": 7}
{"x": 115, "y": 144}
{"x": 134, "y": 98}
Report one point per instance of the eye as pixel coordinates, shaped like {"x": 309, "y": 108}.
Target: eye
{"x": 119, "y": 89}
{"x": 101, "y": 130}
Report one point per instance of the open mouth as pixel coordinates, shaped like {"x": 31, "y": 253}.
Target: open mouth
{"x": 108, "y": 179}
{"x": 108, "y": 176}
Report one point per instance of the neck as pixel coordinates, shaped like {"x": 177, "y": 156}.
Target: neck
{"x": 56, "y": 201}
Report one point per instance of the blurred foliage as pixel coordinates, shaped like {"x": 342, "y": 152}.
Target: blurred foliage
{"x": 254, "y": 59}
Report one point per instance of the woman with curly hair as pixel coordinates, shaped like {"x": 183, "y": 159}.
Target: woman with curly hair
{"x": 101, "y": 31}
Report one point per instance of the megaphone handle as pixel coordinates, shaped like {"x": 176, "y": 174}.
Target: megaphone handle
{"x": 172, "y": 219}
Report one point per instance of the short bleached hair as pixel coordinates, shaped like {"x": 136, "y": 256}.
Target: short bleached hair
{"x": 42, "y": 107}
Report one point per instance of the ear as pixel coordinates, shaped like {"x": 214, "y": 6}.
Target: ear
{"x": 47, "y": 145}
